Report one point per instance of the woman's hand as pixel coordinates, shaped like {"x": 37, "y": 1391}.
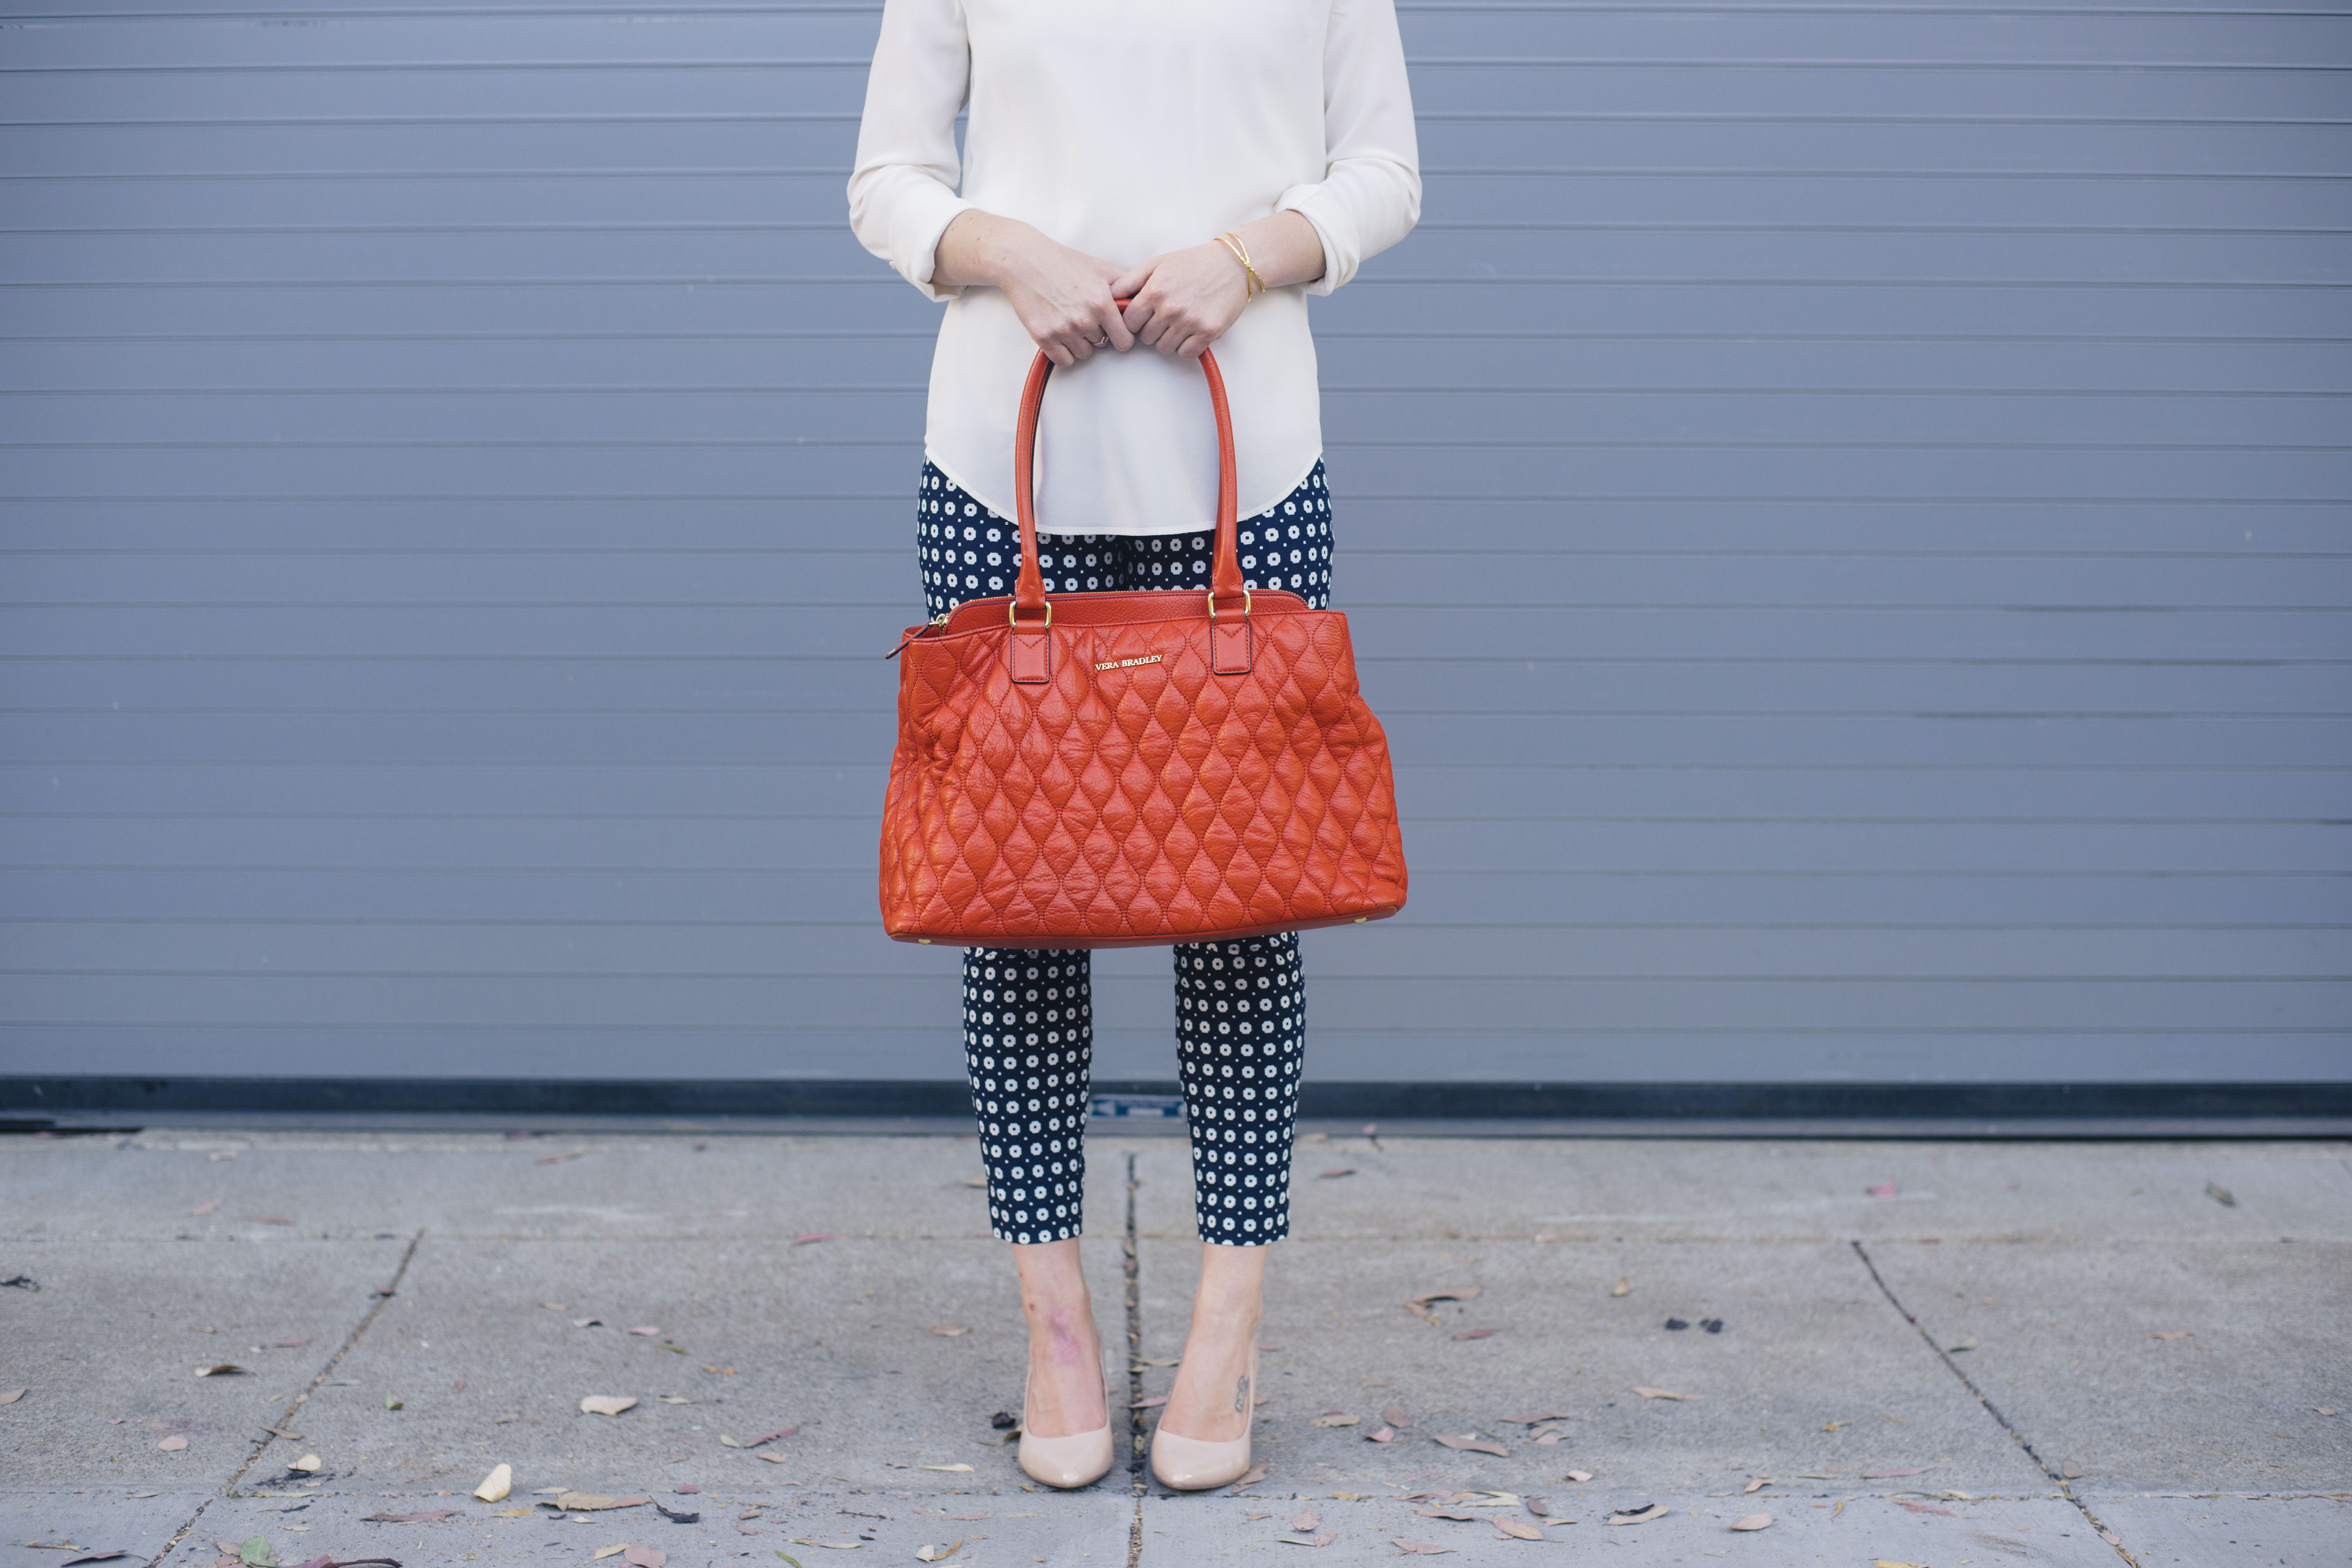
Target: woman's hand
{"x": 1062, "y": 295}
{"x": 1183, "y": 300}
{"x": 1186, "y": 299}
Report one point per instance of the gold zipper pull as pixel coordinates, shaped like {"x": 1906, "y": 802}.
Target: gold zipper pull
{"x": 939, "y": 620}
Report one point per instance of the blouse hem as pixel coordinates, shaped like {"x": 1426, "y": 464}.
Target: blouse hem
{"x": 981, "y": 494}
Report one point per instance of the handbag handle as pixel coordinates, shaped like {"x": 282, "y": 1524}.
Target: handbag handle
{"x": 1029, "y": 586}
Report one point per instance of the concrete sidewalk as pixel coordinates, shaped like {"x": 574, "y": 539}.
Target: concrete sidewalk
{"x": 1929, "y": 1353}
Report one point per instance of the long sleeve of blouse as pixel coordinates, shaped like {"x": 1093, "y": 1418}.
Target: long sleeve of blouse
{"x": 1125, "y": 129}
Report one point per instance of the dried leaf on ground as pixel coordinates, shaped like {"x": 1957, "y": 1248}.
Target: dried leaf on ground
{"x": 1324, "y": 1539}
{"x": 1306, "y": 1523}
{"x": 1335, "y": 1173}
{"x": 607, "y": 1404}
{"x": 1471, "y": 1442}
{"x": 1256, "y": 1474}
{"x": 510, "y": 1513}
{"x": 1420, "y": 1548}
{"x": 1534, "y": 1420}
{"x": 308, "y": 1463}
{"x": 557, "y": 1306}
{"x": 1476, "y": 1335}
{"x": 949, "y": 1330}
{"x": 1382, "y": 1434}
{"x": 95, "y": 1557}
{"x": 1539, "y": 1507}
{"x": 646, "y": 1557}
{"x": 559, "y": 1159}
{"x": 808, "y": 1235}
{"x": 172, "y": 1444}
{"x": 1624, "y": 1287}
{"x": 1890, "y": 1562}
{"x": 1518, "y": 1528}
{"x": 2323, "y": 1409}
{"x": 587, "y": 1323}
{"x": 10, "y": 1395}
{"x": 223, "y": 1369}
{"x": 1642, "y": 1515}
{"x": 675, "y": 1399}
{"x": 778, "y": 1435}
{"x": 2071, "y": 1471}
{"x": 430, "y": 1516}
{"x": 1758, "y": 1485}
{"x": 720, "y": 1371}
{"x": 1395, "y": 1416}
{"x": 648, "y": 1331}
{"x": 1577, "y": 1476}
{"x": 1147, "y": 1401}
{"x": 1447, "y": 1511}
{"x": 1886, "y": 1474}
{"x": 1968, "y": 1343}
{"x": 956, "y": 1469}
{"x": 771, "y": 1458}
{"x": 1754, "y": 1521}
{"x": 1667, "y": 1393}
{"x": 497, "y": 1484}
{"x": 1881, "y": 1190}
{"x": 603, "y": 1552}
{"x": 1452, "y": 1293}
{"x": 593, "y": 1502}
{"x": 2222, "y": 1195}
{"x": 1928, "y": 1508}
{"x": 210, "y": 1205}
{"x": 2175, "y": 1334}
{"x": 937, "y": 1554}
{"x": 1332, "y": 1418}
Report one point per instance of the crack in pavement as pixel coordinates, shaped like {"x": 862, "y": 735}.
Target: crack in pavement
{"x": 2109, "y": 1536}
{"x": 384, "y": 1294}
{"x": 1136, "y": 1484}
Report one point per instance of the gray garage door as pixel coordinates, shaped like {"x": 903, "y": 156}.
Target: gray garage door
{"x": 1842, "y": 507}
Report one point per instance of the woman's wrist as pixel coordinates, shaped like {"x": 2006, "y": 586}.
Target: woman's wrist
{"x": 980, "y": 248}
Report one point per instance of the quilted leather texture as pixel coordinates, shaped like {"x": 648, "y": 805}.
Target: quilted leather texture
{"x": 1135, "y": 797}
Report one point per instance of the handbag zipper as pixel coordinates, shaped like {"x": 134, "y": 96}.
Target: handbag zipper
{"x": 936, "y": 622}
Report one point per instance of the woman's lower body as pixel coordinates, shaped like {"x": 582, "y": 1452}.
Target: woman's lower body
{"x": 1028, "y": 1043}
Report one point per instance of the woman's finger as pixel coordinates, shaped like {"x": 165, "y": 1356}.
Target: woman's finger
{"x": 1140, "y": 313}
{"x": 1111, "y": 326}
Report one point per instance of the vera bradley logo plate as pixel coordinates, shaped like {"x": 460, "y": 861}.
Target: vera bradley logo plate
{"x": 1124, "y": 663}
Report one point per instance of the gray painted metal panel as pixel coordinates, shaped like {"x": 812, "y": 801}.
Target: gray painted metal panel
{"x": 1844, "y": 515}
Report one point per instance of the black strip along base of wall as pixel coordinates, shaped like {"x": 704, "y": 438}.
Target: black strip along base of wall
{"x": 1878, "y": 1109}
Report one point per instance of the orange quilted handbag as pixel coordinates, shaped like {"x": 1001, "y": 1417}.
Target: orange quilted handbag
{"x": 1134, "y": 769}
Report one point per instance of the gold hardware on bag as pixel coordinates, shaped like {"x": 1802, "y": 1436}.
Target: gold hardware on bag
{"x": 1213, "y": 602}
{"x": 1012, "y": 620}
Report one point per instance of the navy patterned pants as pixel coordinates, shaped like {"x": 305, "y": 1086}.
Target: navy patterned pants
{"x": 1028, "y": 1015}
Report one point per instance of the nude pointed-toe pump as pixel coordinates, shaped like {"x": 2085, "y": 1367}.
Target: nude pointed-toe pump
{"x": 1080, "y": 1459}
{"x": 1194, "y": 1464}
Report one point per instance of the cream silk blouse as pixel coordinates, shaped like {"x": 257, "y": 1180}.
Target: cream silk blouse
{"x": 1127, "y": 129}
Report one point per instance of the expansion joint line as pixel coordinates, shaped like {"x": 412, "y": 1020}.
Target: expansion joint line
{"x": 384, "y": 1293}
{"x": 2044, "y": 1466}
{"x": 1135, "y": 1437}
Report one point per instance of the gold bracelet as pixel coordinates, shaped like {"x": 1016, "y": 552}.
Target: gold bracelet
{"x": 1233, "y": 242}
